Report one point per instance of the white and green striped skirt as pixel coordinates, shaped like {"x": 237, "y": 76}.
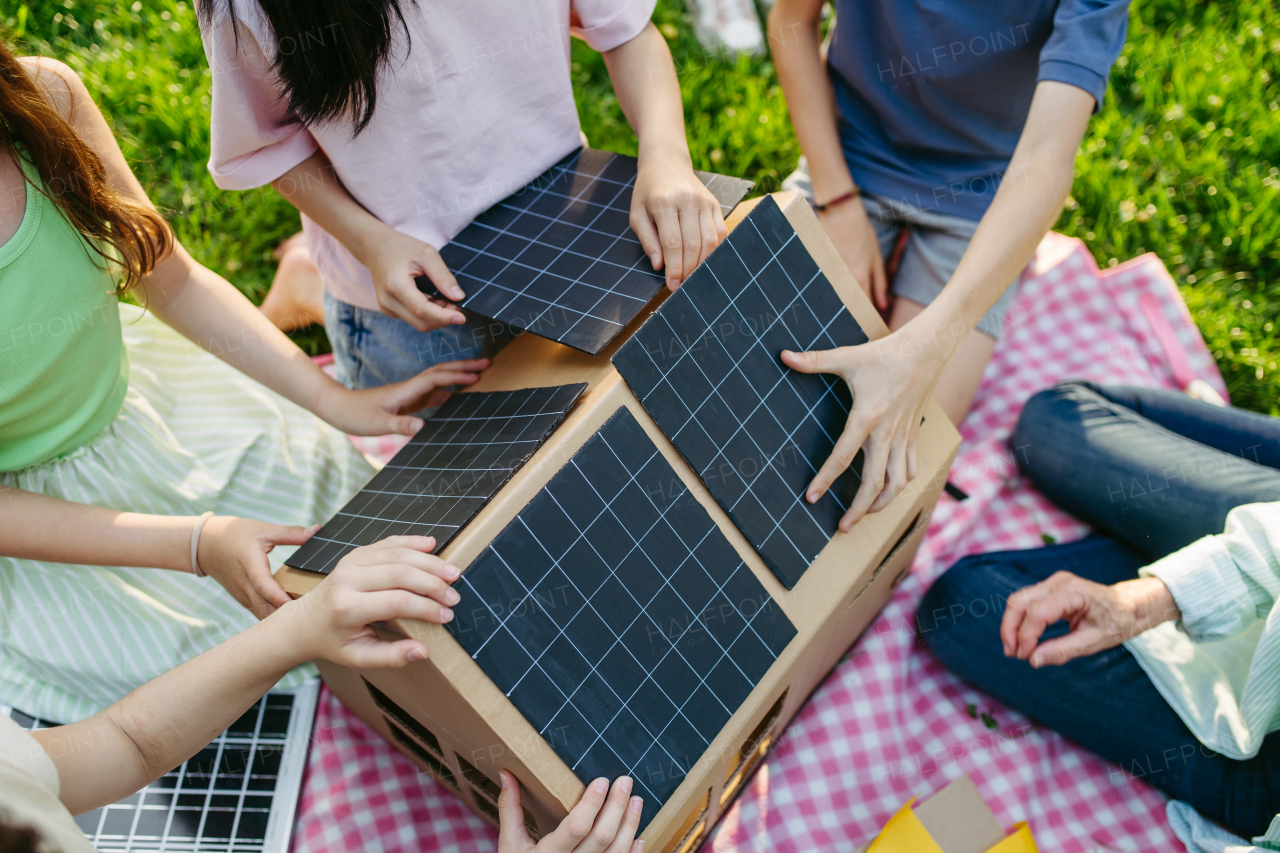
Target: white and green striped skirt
{"x": 194, "y": 434}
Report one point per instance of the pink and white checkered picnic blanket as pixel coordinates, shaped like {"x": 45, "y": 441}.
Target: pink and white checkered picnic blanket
{"x": 890, "y": 722}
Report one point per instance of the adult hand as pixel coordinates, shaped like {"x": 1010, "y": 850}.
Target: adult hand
{"x": 850, "y": 229}
{"x": 394, "y": 260}
{"x": 396, "y": 578}
{"x": 597, "y": 824}
{"x": 676, "y": 218}
{"x": 233, "y": 551}
{"x": 890, "y": 391}
{"x": 381, "y": 411}
{"x": 1101, "y": 617}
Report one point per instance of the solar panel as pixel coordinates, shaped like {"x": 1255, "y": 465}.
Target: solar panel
{"x": 463, "y": 454}
{"x": 706, "y": 367}
{"x": 237, "y": 795}
{"x": 727, "y": 189}
{"x": 618, "y": 618}
{"x": 558, "y": 258}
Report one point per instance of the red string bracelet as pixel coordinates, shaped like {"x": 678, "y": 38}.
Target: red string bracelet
{"x": 838, "y": 200}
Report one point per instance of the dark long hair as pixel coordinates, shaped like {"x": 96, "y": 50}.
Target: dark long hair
{"x": 328, "y": 53}
{"x": 130, "y": 237}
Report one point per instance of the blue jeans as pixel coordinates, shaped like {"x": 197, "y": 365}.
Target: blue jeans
{"x": 1150, "y": 471}
{"x": 371, "y": 349}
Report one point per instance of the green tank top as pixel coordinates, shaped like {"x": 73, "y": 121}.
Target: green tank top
{"x": 63, "y": 367}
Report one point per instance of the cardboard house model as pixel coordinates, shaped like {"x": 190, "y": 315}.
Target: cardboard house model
{"x": 645, "y": 591}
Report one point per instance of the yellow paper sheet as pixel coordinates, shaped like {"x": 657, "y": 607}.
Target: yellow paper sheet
{"x": 1018, "y": 841}
{"x": 904, "y": 833}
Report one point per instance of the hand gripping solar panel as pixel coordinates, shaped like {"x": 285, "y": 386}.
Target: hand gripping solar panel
{"x": 464, "y": 453}
{"x": 558, "y": 258}
{"x": 617, "y": 617}
{"x": 706, "y": 367}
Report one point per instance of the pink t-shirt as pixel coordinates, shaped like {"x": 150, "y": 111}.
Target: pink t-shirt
{"x": 481, "y": 105}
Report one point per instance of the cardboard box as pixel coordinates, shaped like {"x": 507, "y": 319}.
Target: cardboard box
{"x": 954, "y": 820}
{"x": 454, "y": 721}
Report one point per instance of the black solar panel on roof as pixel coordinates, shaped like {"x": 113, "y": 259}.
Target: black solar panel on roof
{"x": 706, "y": 366}
{"x": 558, "y": 258}
{"x": 618, "y": 618}
{"x": 456, "y": 463}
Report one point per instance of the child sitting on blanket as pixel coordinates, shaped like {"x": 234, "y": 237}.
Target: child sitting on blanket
{"x": 391, "y": 124}
{"x": 119, "y": 435}
{"x": 48, "y": 775}
{"x": 1185, "y": 499}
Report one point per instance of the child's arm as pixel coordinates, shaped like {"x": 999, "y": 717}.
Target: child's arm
{"x": 893, "y": 378}
{"x": 603, "y": 821}
{"x": 167, "y": 720}
{"x": 394, "y": 259}
{"x": 811, "y": 102}
{"x": 677, "y": 219}
{"x": 207, "y": 309}
{"x": 233, "y": 551}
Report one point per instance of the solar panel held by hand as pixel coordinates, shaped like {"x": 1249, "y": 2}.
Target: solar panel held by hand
{"x": 558, "y": 258}
{"x": 706, "y": 367}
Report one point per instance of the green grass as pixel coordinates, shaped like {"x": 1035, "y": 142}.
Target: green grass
{"x": 1183, "y": 159}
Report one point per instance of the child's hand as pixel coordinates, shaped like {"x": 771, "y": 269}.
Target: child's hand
{"x": 394, "y": 260}
{"x": 392, "y": 579}
{"x": 855, "y": 239}
{"x": 675, "y": 216}
{"x": 233, "y": 551}
{"x": 891, "y": 381}
{"x": 380, "y": 411}
{"x": 587, "y": 829}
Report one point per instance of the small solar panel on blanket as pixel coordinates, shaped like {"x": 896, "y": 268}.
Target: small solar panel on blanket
{"x": 644, "y": 590}
{"x": 236, "y": 795}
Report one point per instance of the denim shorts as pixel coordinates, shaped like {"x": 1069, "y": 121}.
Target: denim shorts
{"x": 935, "y": 244}
{"x": 371, "y": 349}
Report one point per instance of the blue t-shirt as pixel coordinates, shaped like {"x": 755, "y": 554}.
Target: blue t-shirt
{"x": 933, "y": 94}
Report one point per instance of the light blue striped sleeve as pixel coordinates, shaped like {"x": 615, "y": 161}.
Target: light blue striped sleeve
{"x": 1223, "y": 583}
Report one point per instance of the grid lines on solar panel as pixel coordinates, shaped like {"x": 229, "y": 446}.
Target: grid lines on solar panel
{"x": 617, "y": 617}
{"x": 219, "y": 800}
{"x": 706, "y": 366}
{"x": 463, "y": 454}
{"x": 558, "y": 258}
